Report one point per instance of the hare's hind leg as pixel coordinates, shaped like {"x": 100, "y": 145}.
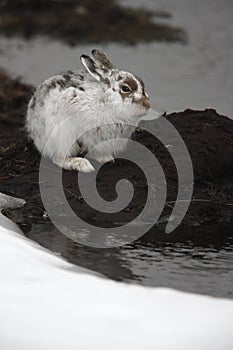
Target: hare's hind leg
{"x": 75, "y": 163}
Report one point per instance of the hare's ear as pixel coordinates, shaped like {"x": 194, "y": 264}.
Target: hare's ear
{"x": 91, "y": 67}
{"x": 102, "y": 60}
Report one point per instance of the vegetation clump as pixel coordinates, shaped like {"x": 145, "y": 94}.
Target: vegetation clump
{"x": 82, "y": 21}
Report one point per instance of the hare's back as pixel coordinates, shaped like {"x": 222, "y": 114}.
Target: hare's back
{"x": 56, "y": 85}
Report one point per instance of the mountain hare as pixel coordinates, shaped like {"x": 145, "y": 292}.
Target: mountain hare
{"x": 72, "y": 113}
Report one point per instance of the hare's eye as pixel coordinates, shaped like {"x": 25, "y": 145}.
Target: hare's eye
{"x": 125, "y": 88}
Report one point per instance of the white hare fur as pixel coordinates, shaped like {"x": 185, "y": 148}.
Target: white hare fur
{"x": 73, "y": 113}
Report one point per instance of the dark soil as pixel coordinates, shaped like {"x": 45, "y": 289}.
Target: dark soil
{"x": 207, "y": 135}
{"x": 82, "y": 21}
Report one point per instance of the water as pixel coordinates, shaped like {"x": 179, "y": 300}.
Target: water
{"x": 186, "y": 267}
{"x": 197, "y": 76}
{"x": 203, "y": 268}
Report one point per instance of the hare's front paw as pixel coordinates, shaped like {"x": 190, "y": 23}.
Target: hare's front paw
{"x": 76, "y": 163}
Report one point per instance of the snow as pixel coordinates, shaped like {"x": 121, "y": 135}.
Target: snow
{"x": 48, "y": 303}
{"x": 10, "y": 202}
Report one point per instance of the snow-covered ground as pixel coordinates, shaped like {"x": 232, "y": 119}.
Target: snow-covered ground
{"x": 48, "y": 303}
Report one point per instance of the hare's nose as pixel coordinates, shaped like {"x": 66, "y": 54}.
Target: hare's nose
{"x": 146, "y": 102}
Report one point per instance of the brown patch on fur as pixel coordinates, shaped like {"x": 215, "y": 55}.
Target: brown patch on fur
{"x": 144, "y": 101}
{"x": 143, "y": 85}
{"x": 67, "y": 81}
{"x": 131, "y": 83}
{"x": 102, "y": 59}
{"x": 52, "y": 84}
{"x": 124, "y": 94}
{"x": 81, "y": 77}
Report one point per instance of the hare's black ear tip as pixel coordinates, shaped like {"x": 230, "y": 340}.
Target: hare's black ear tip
{"x": 94, "y": 51}
{"x": 83, "y": 57}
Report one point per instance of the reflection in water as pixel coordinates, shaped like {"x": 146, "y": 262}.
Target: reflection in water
{"x": 105, "y": 261}
{"x": 205, "y": 270}
{"x": 183, "y": 266}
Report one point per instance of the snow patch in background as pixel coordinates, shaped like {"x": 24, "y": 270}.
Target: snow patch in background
{"x": 10, "y": 202}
